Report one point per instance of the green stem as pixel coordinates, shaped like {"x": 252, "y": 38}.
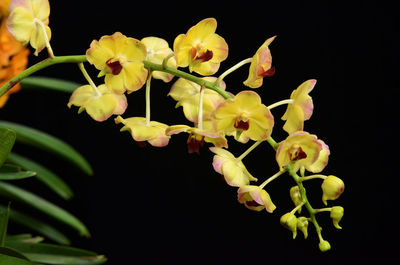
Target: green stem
{"x": 319, "y": 176}
{"x": 148, "y": 99}
{"x": 36, "y": 67}
{"x": 251, "y": 148}
{"x": 272, "y": 178}
{"x": 187, "y": 76}
{"x": 279, "y": 103}
{"x": 230, "y": 70}
{"x": 90, "y": 81}
{"x": 307, "y": 204}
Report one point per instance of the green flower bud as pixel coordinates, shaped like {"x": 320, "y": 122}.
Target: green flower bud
{"x": 336, "y": 215}
{"x": 295, "y": 195}
{"x": 289, "y": 221}
{"x": 324, "y": 246}
{"x": 332, "y": 188}
{"x": 302, "y": 225}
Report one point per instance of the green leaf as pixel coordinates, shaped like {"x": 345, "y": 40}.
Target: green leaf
{"x": 41, "y": 82}
{"x": 8, "y": 260}
{"x": 7, "y": 139}
{"x": 44, "y": 141}
{"x": 12, "y": 252}
{"x": 13, "y": 172}
{"x": 14, "y": 193}
{"x": 54, "y": 254}
{"x": 23, "y": 238}
{"x": 38, "y": 226}
{"x": 3, "y": 225}
{"x": 44, "y": 175}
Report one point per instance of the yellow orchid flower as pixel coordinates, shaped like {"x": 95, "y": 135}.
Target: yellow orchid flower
{"x": 244, "y": 117}
{"x": 28, "y": 22}
{"x": 233, "y": 169}
{"x": 100, "y": 103}
{"x": 157, "y": 50}
{"x": 255, "y": 198}
{"x": 197, "y": 136}
{"x": 120, "y": 59}
{"x": 301, "y": 109}
{"x": 152, "y": 132}
{"x": 187, "y": 94}
{"x": 301, "y": 149}
{"x": 261, "y": 65}
{"x": 201, "y": 48}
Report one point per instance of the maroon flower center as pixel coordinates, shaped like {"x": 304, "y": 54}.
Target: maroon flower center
{"x": 243, "y": 125}
{"x": 270, "y": 72}
{"x": 194, "y": 144}
{"x": 115, "y": 67}
{"x": 252, "y": 203}
{"x": 297, "y": 155}
{"x": 202, "y": 56}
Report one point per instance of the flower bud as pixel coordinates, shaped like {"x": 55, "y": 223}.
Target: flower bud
{"x": 296, "y": 197}
{"x": 324, "y": 246}
{"x": 302, "y": 225}
{"x": 336, "y": 215}
{"x": 332, "y": 188}
{"x": 289, "y": 221}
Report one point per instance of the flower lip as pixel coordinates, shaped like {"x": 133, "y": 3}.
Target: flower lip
{"x": 270, "y": 72}
{"x": 297, "y": 154}
{"x": 204, "y": 56}
{"x": 243, "y": 125}
{"x": 115, "y": 67}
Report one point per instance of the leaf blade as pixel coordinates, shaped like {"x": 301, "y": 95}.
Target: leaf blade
{"x": 55, "y": 84}
{"x": 37, "y": 225}
{"x": 49, "y": 143}
{"x": 7, "y": 139}
{"x": 44, "y": 206}
{"x": 54, "y": 182}
{"x": 5, "y": 259}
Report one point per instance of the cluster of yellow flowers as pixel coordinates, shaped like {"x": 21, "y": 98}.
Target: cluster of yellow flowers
{"x": 128, "y": 64}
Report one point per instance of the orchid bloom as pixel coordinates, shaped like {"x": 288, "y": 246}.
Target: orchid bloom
{"x": 233, "y": 169}
{"x": 301, "y": 109}
{"x": 152, "y": 132}
{"x": 120, "y": 59}
{"x": 157, "y": 51}
{"x": 100, "y": 103}
{"x": 301, "y": 149}
{"x": 201, "y": 48}
{"x": 261, "y": 65}
{"x": 187, "y": 94}
{"x": 197, "y": 136}
{"x": 244, "y": 117}
{"x": 255, "y": 198}
{"x": 28, "y": 22}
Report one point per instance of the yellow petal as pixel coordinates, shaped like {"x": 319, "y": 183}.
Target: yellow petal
{"x": 20, "y": 24}
{"x": 81, "y": 95}
{"x": 134, "y": 75}
{"x": 38, "y": 39}
{"x": 41, "y": 10}
{"x": 101, "y": 108}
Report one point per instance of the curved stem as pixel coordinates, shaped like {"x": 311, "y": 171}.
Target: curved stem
{"x": 251, "y": 148}
{"x": 148, "y": 99}
{"x": 36, "y": 67}
{"x": 90, "y": 81}
{"x": 230, "y": 70}
{"x": 272, "y": 178}
{"x": 46, "y": 38}
{"x": 187, "y": 76}
{"x": 279, "y": 103}
{"x": 319, "y": 176}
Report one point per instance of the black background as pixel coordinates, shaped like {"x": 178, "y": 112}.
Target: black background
{"x": 164, "y": 206}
